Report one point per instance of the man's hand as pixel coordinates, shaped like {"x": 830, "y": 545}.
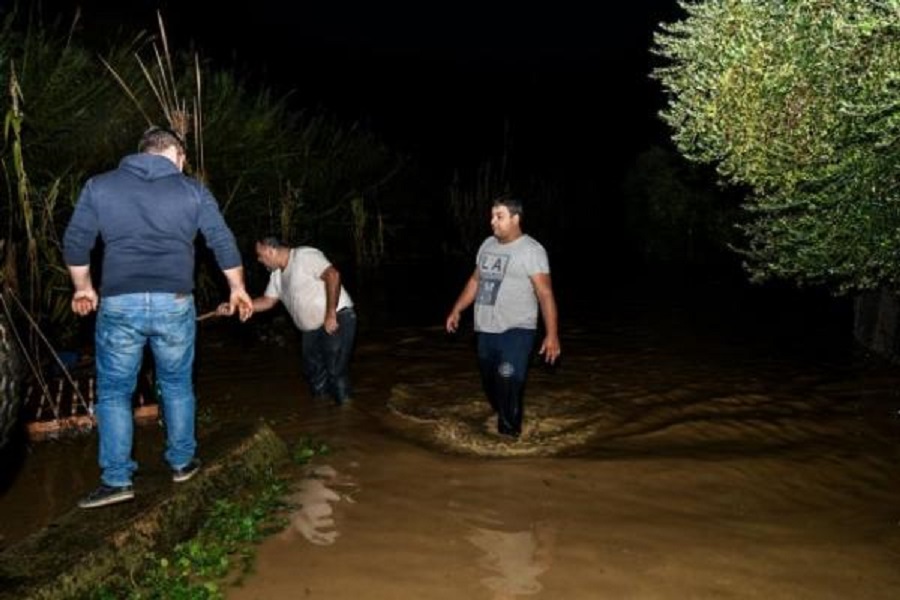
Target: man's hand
{"x": 331, "y": 324}
{"x": 452, "y": 323}
{"x": 240, "y": 301}
{"x": 84, "y": 302}
{"x": 550, "y": 349}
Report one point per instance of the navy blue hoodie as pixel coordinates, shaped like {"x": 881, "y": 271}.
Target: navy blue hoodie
{"x": 148, "y": 214}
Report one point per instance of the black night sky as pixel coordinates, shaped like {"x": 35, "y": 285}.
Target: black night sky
{"x": 443, "y": 79}
{"x": 440, "y": 80}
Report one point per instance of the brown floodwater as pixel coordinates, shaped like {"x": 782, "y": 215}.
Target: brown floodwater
{"x": 676, "y": 452}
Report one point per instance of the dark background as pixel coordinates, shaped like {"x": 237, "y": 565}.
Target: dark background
{"x": 440, "y": 80}
{"x": 563, "y": 90}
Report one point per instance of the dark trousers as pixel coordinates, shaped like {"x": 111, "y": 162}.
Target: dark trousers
{"x": 326, "y": 358}
{"x": 503, "y": 364}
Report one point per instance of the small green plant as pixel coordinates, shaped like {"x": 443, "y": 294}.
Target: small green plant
{"x": 219, "y": 554}
{"x": 308, "y": 448}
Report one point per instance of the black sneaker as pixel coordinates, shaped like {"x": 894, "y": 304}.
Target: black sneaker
{"x": 106, "y": 495}
{"x": 509, "y": 432}
{"x": 186, "y": 472}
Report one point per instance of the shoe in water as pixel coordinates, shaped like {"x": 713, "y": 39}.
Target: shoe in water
{"x": 509, "y": 432}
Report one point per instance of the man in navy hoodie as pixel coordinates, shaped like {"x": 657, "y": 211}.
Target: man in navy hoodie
{"x": 148, "y": 213}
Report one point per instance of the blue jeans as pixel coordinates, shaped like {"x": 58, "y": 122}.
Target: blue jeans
{"x": 503, "y": 364}
{"x": 125, "y": 324}
{"x": 326, "y": 358}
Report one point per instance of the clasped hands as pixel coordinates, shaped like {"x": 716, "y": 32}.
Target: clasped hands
{"x": 239, "y": 302}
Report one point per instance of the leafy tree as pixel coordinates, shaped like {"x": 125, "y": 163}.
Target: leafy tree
{"x": 800, "y": 102}
{"x": 60, "y": 121}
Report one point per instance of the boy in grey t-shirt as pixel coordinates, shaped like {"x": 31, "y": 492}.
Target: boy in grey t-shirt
{"x": 511, "y": 280}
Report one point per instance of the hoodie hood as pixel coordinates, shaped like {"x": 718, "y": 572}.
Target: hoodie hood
{"x": 149, "y": 166}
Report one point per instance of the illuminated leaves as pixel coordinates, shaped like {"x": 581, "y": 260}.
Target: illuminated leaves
{"x": 799, "y": 102}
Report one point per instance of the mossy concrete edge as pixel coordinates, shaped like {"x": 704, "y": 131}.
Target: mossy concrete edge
{"x": 71, "y": 557}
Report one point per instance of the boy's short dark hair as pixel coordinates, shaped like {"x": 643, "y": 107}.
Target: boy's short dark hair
{"x": 272, "y": 242}
{"x": 512, "y": 204}
{"x": 158, "y": 139}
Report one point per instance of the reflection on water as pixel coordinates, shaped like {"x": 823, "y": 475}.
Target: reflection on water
{"x": 313, "y": 517}
{"x": 516, "y": 559}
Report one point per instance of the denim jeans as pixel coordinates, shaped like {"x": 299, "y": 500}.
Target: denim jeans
{"x": 326, "y": 358}
{"x": 503, "y": 364}
{"x": 125, "y": 324}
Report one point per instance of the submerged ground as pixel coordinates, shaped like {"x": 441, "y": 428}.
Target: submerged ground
{"x": 682, "y": 449}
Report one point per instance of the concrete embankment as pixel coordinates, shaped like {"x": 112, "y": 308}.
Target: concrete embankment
{"x": 83, "y": 548}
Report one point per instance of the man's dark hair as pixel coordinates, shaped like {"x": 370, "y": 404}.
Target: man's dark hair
{"x": 272, "y": 242}
{"x": 157, "y": 139}
{"x": 512, "y": 204}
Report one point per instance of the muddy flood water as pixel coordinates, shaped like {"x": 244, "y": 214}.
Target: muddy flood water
{"x": 734, "y": 447}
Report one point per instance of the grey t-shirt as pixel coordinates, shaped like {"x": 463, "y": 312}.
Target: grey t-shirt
{"x": 505, "y": 297}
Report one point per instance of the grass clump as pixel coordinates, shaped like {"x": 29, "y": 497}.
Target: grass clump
{"x": 308, "y": 448}
{"x": 220, "y": 553}
{"x": 224, "y": 547}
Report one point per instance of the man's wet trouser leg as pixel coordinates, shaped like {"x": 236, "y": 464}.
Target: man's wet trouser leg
{"x": 314, "y": 361}
{"x": 487, "y": 369}
{"x": 508, "y": 393}
{"x": 503, "y": 364}
{"x": 338, "y": 349}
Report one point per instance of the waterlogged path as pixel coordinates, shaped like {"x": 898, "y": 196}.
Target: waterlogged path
{"x": 661, "y": 461}
{"x": 671, "y": 455}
